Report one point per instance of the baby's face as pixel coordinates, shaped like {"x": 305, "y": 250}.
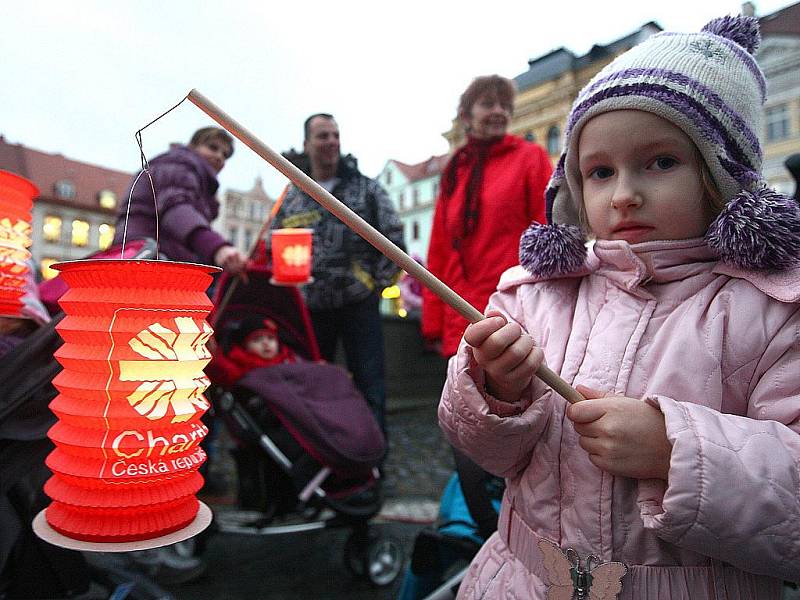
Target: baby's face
{"x": 262, "y": 344}
{"x": 641, "y": 179}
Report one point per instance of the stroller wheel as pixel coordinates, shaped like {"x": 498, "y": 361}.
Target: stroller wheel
{"x": 376, "y": 558}
{"x": 384, "y": 561}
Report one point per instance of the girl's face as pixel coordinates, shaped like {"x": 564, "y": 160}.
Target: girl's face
{"x": 641, "y": 179}
{"x": 215, "y": 151}
{"x": 488, "y": 118}
{"x": 262, "y": 344}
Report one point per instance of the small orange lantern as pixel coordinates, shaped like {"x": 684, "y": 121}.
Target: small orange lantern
{"x": 125, "y": 466}
{"x": 16, "y": 200}
{"x": 291, "y": 256}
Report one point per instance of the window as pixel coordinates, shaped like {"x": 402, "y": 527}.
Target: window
{"x": 415, "y": 196}
{"x": 553, "y": 140}
{"x": 47, "y": 272}
{"x": 401, "y": 201}
{"x": 435, "y": 189}
{"x": 254, "y": 212}
{"x": 65, "y": 189}
{"x": 80, "y": 233}
{"x": 107, "y": 199}
{"x": 248, "y": 239}
{"x": 388, "y": 178}
{"x": 51, "y": 229}
{"x": 415, "y": 231}
{"x": 777, "y": 123}
{"x": 233, "y": 236}
{"x": 106, "y": 236}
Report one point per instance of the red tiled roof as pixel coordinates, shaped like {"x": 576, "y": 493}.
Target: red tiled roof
{"x": 782, "y": 22}
{"x": 429, "y": 168}
{"x": 45, "y": 170}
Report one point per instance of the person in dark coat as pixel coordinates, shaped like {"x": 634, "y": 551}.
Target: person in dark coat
{"x": 185, "y": 182}
{"x": 348, "y": 273}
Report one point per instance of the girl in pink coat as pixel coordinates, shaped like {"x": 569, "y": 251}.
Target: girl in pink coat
{"x": 679, "y": 476}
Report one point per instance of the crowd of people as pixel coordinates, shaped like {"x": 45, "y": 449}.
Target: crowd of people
{"x": 653, "y": 269}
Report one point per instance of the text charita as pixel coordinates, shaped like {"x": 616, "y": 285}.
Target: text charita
{"x": 153, "y": 444}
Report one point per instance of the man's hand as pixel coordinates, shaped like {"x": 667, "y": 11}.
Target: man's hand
{"x": 506, "y": 353}
{"x": 623, "y": 436}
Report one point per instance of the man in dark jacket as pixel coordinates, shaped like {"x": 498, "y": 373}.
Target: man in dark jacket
{"x": 185, "y": 183}
{"x": 349, "y": 274}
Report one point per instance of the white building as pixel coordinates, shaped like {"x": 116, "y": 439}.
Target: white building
{"x": 242, "y": 213}
{"x": 413, "y": 190}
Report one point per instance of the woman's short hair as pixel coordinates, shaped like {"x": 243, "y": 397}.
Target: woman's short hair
{"x": 208, "y": 134}
{"x": 492, "y": 85}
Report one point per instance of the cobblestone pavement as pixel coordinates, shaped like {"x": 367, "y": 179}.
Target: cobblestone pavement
{"x": 309, "y": 565}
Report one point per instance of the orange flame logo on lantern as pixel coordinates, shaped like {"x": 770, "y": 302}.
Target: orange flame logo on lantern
{"x": 172, "y": 378}
{"x": 296, "y": 255}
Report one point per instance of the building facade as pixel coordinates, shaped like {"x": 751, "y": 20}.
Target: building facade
{"x": 242, "y": 213}
{"x": 413, "y": 190}
{"x": 75, "y": 212}
{"x": 779, "y": 58}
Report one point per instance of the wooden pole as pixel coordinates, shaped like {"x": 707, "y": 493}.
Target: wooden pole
{"x": 364, "y": 229}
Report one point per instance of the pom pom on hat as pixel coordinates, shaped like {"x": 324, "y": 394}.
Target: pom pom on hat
{"x": 757, "y": 230}
{"x": 549, "y": 250}
{"x": 740, "y": 29}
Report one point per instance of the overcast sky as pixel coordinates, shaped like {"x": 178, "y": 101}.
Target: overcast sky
{"x": 80, "y": 77}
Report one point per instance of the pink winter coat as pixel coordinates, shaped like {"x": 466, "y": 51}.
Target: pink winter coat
{"x": 718, "y": 352}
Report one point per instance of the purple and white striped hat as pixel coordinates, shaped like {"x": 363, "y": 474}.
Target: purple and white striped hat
{"x": 709, "y": 85}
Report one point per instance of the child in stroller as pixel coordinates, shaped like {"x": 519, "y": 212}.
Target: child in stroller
{"x": 307, "y": 443}
{"x": 255, "y": 343}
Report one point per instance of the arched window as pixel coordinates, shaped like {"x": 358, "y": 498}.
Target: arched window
{"x": 553, "y": 140}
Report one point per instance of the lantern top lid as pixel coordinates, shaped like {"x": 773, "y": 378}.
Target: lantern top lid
{"x": 112, "y": 263}
{"x": 18, "y": 183}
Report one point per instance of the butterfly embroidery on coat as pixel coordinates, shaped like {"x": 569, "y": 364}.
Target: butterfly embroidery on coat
{"x": 570, "y": 579}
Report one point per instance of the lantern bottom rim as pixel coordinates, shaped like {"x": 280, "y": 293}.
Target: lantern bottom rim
{"x": 287, "y": 283}
{"x": 45, "y": 532}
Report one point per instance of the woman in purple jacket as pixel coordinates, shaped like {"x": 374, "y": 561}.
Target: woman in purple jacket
{"x": 185, "y": 182}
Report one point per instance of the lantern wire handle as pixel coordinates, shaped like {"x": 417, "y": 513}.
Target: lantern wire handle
{"x": 145, "y": 170}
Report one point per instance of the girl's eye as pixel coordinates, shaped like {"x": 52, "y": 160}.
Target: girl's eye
{"x": 601, "y": 173}
{"x": 664, "y": 163}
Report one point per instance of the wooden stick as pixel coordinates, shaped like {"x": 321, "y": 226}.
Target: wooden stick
{"x": 364, "y": 229}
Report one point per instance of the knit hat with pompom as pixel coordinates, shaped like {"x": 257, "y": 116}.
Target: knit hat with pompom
{"x": 709, "y": 85}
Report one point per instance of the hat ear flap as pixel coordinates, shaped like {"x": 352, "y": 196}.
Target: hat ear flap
{"x": 757, "y": 230}
{"x": 550, "y": 250}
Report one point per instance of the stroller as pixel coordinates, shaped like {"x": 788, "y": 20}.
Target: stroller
{"x": 30, "y": 567}
{"x": 308, "y": 446}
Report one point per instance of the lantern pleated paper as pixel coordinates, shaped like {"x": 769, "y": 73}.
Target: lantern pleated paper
{"x": 291, "y": 256}
{"x": 16, "y": 200}
{"x": 125, "y": 466}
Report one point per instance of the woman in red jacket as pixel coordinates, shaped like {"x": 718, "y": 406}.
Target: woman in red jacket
{"x": 491, "y": 190}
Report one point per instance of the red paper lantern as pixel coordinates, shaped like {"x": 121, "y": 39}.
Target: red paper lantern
{"x": 125, "y": 466}
{"x": 291, "y": 256}
{"x": 16, "y": 200}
